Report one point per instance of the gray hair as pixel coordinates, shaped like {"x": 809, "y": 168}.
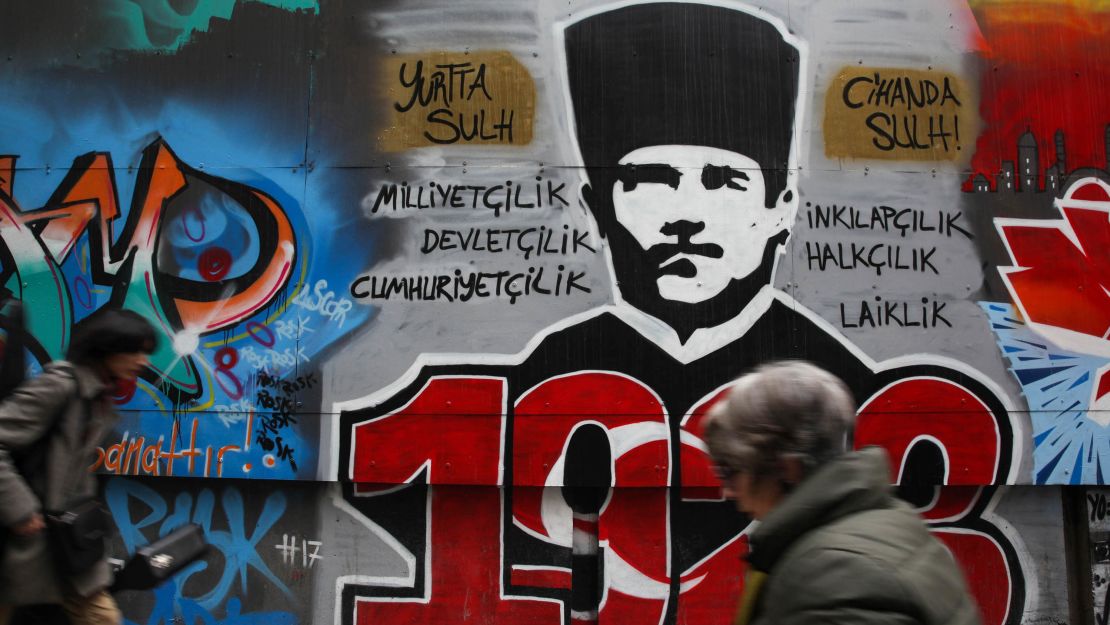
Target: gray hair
{"x": 787, "y": 409}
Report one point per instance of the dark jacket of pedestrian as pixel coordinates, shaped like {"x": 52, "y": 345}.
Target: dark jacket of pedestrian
{"x": 841, "y": 549}
{"x": 832, "y": 544}
{"x": 62, "y": 391}
{"x": 50, "y": 427}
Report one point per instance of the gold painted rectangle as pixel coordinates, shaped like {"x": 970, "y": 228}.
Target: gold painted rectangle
{"x": 899, "y": 114}
{"x": 457, "y": 98}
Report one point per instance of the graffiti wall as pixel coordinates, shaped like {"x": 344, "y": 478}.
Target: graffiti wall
{"x": 444, "y": 286}
{"x": 259, "y": 562}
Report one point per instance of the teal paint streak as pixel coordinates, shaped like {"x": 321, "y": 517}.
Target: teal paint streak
{"x": 156, "y": 26}
{"x": 294, "y": 5}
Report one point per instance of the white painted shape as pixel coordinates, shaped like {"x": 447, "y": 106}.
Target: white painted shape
{"x": 733, "y": 217}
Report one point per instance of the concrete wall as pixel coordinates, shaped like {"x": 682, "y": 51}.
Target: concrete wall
{"x": 425, "y": 271}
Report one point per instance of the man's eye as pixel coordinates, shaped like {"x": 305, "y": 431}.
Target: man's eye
{"x": 717, "y": 176}
{"x": 633, "y": 175}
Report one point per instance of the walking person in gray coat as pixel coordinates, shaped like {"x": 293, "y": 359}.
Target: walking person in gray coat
{"x": 833, "y": 545}
{"x": 68, "y": 409}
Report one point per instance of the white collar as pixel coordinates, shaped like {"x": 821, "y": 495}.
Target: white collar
{"x": 703, "y": 341}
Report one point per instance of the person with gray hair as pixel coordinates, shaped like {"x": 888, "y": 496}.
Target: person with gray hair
{"x": 832, "y": 543}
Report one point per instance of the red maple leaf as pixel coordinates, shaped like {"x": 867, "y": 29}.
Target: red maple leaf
{"x": 1061, "y": 271}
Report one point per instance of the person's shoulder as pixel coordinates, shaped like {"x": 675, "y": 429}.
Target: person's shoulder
{"x": 824, "y": 573}
{"x": 884, "y": 558}
{"x": 60, "y": 368}
{"x": 867, "y": 546}
{"x": 884, "y": 534}
{"x": 594, "y": 325}
{"x": 61, "y": 373}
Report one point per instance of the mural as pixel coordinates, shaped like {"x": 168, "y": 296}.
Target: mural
{"x": 694, "y": 209}
{"x": 444, "y": 289}
{"x": 249, "y": 570}
{"x": 1067, "y": 388}
{"x": 207, "y": 261}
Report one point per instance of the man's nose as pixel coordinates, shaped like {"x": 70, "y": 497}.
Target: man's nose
{"x": 682, "y": 229}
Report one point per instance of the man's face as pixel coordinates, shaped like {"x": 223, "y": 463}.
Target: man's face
{"x": 699, "y": 215}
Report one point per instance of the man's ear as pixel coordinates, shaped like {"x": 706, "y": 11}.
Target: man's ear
{"x": 793, "y": 472}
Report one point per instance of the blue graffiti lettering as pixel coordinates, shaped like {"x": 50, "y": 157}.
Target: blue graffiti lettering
{"x": 238, "y": 548}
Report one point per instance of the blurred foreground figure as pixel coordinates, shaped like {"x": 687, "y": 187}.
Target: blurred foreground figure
{"x": 49, "y": 430}
{"x": 833, "y": 544}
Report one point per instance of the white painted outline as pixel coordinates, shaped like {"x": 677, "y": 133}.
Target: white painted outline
{"x": 920, "y": 510}
{"x": 410, "y": 581}
{"x": 1099, "y": 408}
{"x": 389, "y": 491}
{"x": 406, "y": 581}
{"x": 1062, "y": 337}
{"x": 657, "y": 331}
{"x": 427, "y": 463}
{"x": 623, "y": 312}
{"x": 540, "y": 567}
{"x": 556, "y": 469}
{"x": 944, "y": 452}
{"x": 552, "y": 506}
{"x": 988, "y": 515}
{"x": 800, "y": 105}
{"x": 952, "y": 518}
{"x": 972, "y": 532}
{"x": 688, "y": 437}
{"x": 747, "y": 531}
{"x": 1024, "y": 562}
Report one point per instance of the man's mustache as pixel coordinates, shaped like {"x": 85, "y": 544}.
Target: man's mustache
{"x": 683, "y": 268}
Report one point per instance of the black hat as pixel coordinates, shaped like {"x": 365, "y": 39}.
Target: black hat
{"x": 684, "y": 74}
